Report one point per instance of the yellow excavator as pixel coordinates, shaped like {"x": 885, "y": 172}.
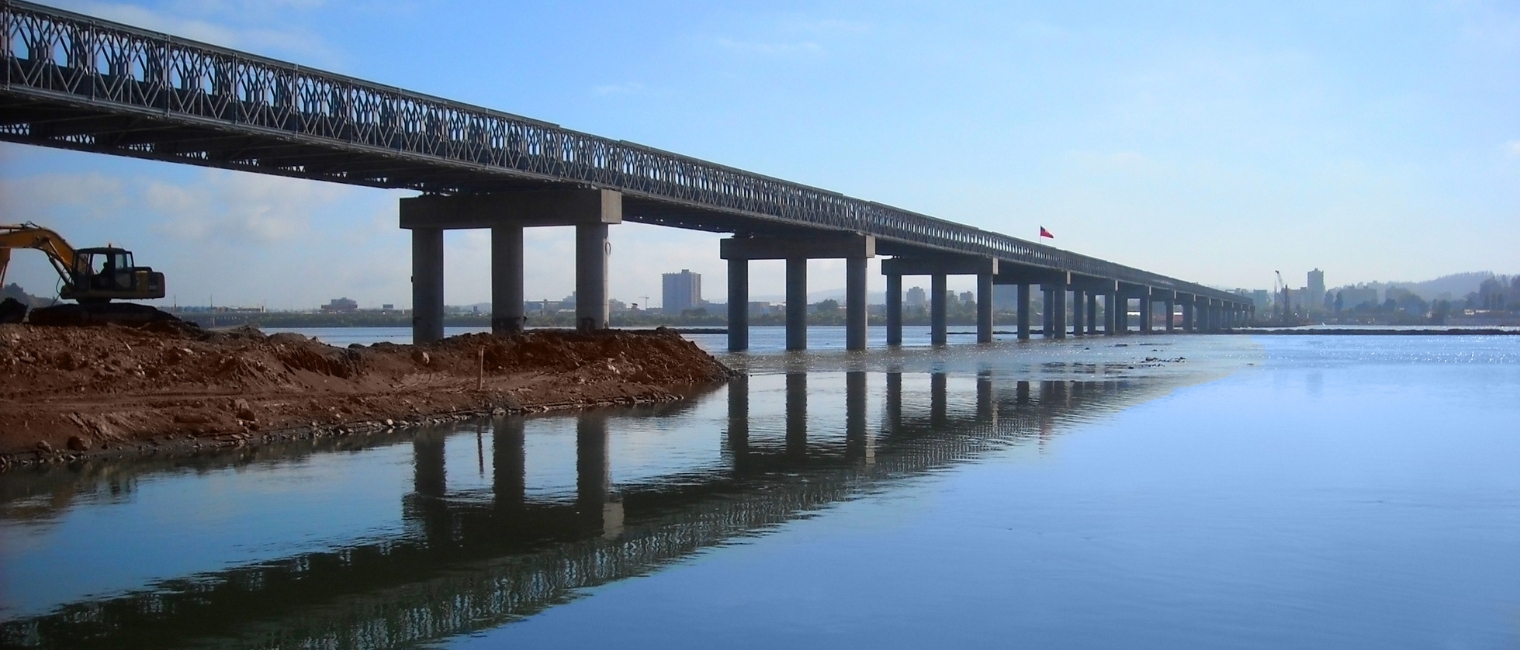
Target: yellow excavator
{"x": 91, "y": 276}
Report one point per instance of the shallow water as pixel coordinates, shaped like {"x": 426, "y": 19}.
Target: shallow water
{"x": 1231, "y": 492}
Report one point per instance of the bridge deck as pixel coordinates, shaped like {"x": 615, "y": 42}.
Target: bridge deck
{"x": 77, "y": 82}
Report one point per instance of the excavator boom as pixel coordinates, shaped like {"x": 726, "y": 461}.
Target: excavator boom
{"x": 31, "y": 235}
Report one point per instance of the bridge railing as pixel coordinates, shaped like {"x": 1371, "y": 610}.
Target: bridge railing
{"x": 59, "y": 54}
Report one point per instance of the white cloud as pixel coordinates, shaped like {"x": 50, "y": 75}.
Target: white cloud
{"x": 299, "y": 44}
{"x": 39, "y": 198}
{"x": 232, "y": 208}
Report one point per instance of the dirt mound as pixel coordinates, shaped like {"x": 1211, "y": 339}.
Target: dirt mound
{"x": 83, "y": 387}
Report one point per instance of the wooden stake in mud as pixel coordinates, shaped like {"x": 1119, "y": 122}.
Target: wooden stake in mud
{"x": 480, "y": 377}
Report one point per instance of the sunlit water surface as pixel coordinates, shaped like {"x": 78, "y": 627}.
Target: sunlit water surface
{"x": 1147, "y": 491}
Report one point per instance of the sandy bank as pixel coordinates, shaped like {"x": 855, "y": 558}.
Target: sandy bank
{"x": 72, "y": 392}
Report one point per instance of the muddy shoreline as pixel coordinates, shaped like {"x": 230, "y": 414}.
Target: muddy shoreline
{"x": 70, "y": 395}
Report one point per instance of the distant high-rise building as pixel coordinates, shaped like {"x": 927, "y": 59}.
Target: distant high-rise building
{"x": 1005, "y": 297}
{"x": 968, "y": 298}
{"x": 1263, "y": 301}
{"x": 1315, "y": 300}
{"x": 916, "y": 297}
{"x": 682, "y": 291}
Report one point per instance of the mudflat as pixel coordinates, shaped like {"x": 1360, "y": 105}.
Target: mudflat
{"x": 70, "y": 392}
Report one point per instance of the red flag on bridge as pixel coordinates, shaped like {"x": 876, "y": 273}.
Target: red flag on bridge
{"x": 1046, "y": 233}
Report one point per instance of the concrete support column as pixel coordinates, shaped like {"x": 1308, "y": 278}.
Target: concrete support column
{"x": 796, "y": 303}
{"x": 1187, "y": 316}
{"x": 1146, "y": 317}
{"x": 1092, "y": 312}
{"x": 507, "y": 279}
{"x": 1023, "y": 309}
{"x": 1171, "y": 309}
{"x": 591, "y": 250}
{"x": 1112, "y": 311}
{"x": 855, "y": 303}
{"x": 984, "y": 308}
{"x": 894, "y": 309}
{"x": 427, "y": 285}
{"x": 738, "y": 305}
{"x": 937, "y": 306}
{"x": 1047, "y": 312}
{"x": 1058, "y": 311}
{"x": 1078, "y": 311}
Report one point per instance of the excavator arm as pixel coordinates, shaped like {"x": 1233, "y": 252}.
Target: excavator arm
{"x": 31, "y": 235}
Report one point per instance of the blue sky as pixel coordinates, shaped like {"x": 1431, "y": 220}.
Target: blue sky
{"x": 1214, "y": 142}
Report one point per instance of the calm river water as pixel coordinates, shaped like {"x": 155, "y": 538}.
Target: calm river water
{"x": 1139, "y": 492}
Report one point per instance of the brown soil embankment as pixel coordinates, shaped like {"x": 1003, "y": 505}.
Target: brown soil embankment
{"x": 66, "y": 392}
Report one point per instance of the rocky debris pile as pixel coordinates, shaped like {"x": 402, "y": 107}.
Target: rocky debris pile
{"x": 114, "y": 385}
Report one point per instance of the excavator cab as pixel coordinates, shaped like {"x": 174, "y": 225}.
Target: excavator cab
{"x": 104, "y": 274}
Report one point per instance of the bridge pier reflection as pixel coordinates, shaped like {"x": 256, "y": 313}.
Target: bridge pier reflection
{"x": 598, "y": 512}
{"x": 796, "y": 416}
{"x": 859, "y": 443}
{"x": 509, "y": 462}
{"x": 480, "y": 556}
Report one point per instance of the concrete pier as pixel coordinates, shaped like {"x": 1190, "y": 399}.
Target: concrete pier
{"x": 1047, "y": 312}
{"x": 1171, "y": 311}
{"x": 1092, "y": 313}
{"x": 855, "y": 303}
{"x": 506, "y": 214}
{"x": 738, "y": 305}
{"x": 1146, "y": 317}
{"x": 1057, "y": 310}
{"x": 937, "y": 309}
{"x": 854, "y": 249}
{"x": 507, "y": 279}
{"x": 427, "y": 285}
{"x": 1187, "y": 315}
{"x": 894, "y": 310}
{"x": 796, "y": 303}
{"x": 1078, "y": 311}
{"x": 984, "y": 308}
{"x": 1113, "y": 310}
{"x": 1023, "y": 311}
{"x": 591, "y": 251}
{"x": 937, "y": 268}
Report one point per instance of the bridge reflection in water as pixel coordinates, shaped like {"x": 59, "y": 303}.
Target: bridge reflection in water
{"x": 476, "y": 558}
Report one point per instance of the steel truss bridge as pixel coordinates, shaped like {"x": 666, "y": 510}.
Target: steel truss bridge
{"x": 76, "y": 82}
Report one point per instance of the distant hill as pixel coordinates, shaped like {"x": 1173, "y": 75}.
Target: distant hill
{"x": 14, "y": 290}
{"x": 1456, "y": 285}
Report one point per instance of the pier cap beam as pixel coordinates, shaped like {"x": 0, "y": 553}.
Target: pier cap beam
{"x": 533, "y": 208}
{"x": 946, "y": 265}
{"x": 819, "y": 247}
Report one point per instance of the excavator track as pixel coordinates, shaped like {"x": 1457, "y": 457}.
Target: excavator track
{"x": 96, "y": 314}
